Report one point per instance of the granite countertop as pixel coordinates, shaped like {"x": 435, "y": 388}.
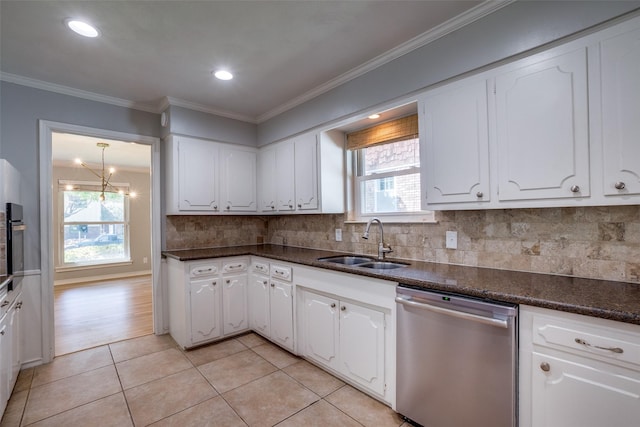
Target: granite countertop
{"x": 599, "y": 298}
{"x": 4, "y": 280}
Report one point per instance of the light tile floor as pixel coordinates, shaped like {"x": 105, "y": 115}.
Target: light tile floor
{"x": 244, "y": 381}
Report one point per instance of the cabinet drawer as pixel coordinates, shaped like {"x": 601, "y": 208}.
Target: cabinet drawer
{"x": 235, "y": 266}
{"x": 281, "y": 272}
{"x": 260, "y": 267}
{"x": 595, "y": 341}
{"x": 204, "y": 269}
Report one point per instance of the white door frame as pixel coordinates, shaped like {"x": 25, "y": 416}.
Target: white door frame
{"x": 47, "y": 228}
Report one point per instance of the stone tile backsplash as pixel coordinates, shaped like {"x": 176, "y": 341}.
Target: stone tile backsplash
{"x": 591, "y": 242}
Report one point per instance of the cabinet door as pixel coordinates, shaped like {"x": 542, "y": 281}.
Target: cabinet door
{"x": 204, "y": 298}
{"x": 362, "y": 345}
{"x": 321, "y": 323}
{"x": 573, "y": 391}
{"x": 197, "y": 175}
{"x": 267, "y": 190}
{"x": 306, "y": 172}
{"x": 5, "y": 361}
{"x": 455, "y": 133}
{"x": 234, "y": 304}
{"x": 620, "y": 86}
{"x": 16, "y": 356}
{"x": 284, "y": 171}
{"x": 281, "y": 298}
{"x": 238, "y": 180}
{"x": 259, "y": 312}
{"x": 542, "y": 128}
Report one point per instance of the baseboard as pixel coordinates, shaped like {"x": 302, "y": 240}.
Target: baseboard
{"x": 102, "y": 277}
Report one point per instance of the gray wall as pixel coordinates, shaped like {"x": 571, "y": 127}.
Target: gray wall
{"x": 514, "y": 29}
{"x": 139, "y": 222}
{"x": 21, "y": 108}
{"x": 183, "y": 121}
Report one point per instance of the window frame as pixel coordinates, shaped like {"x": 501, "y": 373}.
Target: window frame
{"x": 358, "y": 177}
{"x": 89, "y": 186}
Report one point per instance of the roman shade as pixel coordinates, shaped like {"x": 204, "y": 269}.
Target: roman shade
{"x": 392, "y": 131}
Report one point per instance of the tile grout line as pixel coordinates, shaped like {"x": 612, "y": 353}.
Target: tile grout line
{"x": 124, "y": 396}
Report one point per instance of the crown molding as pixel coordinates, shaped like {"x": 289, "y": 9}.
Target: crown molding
{"x": 478, "y": 12}
{"x": 167, "y": 101}
{"x": 78, "y": 93}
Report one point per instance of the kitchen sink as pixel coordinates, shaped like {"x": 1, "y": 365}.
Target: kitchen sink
{"x": 347, "y": 259}
{"x": 383, "y": 265}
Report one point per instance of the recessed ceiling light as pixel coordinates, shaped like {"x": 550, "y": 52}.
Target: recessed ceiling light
{"x": 374, "y": 116}
{"x": 223, "y": 75}
{"x": 82, "y": 28}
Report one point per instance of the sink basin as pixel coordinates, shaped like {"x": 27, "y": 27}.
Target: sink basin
{"x": 347, "y": 259}
{"x": 383, "y": 265}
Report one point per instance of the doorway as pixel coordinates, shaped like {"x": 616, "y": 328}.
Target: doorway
{"x": 100, "y": 237}
{"x": 102, "y": 243}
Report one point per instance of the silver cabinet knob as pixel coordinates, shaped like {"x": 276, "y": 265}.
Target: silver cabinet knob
{"x": 545, "y": 366}
{"x": 228, "y": 281}
{"x": 620, "y": 185}
{"x": 343, "y": 308}
{"x": 290, "y": 206}
{"x": 575, "y": 189}
{"x": 333, "y": 305}
{"x": 265, "y": 283}
{"x": 273, "y": 285}
{"x": 214, "y": 283}
{"x": 479, "y": 195}
{"x": 228, "y": 208}
{"x": 215, "y": 207}
{"x": 299, "y": 206}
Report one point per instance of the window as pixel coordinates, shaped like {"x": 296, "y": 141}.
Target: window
{"x": 94, "y": 232}
{"x": 388, "y": 178}
{"x": 386, "y": 167}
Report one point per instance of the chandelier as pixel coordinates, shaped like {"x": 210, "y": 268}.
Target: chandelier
{"x": 105, "y": 180}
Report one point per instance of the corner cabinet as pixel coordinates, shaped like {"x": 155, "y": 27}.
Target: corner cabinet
{"x": 304, "y": 174}
{"x": 206, "y": 177}
{"x": 206, "y": 303}
{"x": 271, "y": 302}
{"x": 577, "y": 370}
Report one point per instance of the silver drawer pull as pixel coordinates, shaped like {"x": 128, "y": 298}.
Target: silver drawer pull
{"x": 612, "y": 349}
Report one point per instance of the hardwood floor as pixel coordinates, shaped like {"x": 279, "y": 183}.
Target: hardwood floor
{"x": 97, "y": 313}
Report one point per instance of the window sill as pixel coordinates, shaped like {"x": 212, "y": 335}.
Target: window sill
{"x": 421, "y": 218}
{"x": 62, "y": 269}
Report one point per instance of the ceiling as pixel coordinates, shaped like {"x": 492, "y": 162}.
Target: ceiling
{"x": 150, "y": 53}
{"x": 66, "y": 147}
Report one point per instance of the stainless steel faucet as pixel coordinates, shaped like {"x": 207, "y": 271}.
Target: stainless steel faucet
{"x": 383, "y": 248}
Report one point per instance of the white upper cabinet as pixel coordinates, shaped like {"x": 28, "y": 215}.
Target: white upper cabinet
{"x": 306, "y": 172}
{"x": 560, "y": 128}
{"x": 196, "y": 176}
{"x": 303, "y": 174}
{"x": 455, "y": 137}
{"x": 620, "y": 105}
{"x": 206, "y": 177}
{"x": 284, "y": 172}
{"x": 239, "y": 167}
{"x": 542, "y": 127}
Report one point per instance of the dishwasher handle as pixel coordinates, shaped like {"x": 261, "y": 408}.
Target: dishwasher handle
{"x": 454, "y": 313}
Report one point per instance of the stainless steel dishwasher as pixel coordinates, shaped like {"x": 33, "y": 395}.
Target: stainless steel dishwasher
{"x": 456, "y": 361}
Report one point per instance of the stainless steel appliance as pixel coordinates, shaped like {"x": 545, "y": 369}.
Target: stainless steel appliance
{"x": 457, "y": 360}
{"x": 15, "y": 242}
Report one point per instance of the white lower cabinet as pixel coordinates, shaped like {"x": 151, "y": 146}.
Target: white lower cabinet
{"x": 205, "y": 304}
{"x": 346, "y": 324}
{"x": 577, "y": 371}
{"x": 10, "y": 348}
{"x": 271, "y": 303}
